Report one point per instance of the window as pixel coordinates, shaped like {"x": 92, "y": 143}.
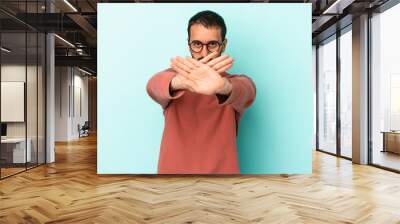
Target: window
{"x": 385, "y": 88}
{"x": 327, "y": 96}
{"x": 346, "y": 93}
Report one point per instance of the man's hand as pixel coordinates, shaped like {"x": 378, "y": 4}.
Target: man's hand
{"x": 220, "y": 64}
{"x": 179, "y": 82}
{"x": 202, "y": 76}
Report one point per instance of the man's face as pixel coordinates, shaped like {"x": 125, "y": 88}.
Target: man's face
{"x": 201, "y": 34}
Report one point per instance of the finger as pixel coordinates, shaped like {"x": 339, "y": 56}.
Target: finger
{"x": 195, "y": 62}
{"x": 179, "y": 62}
{"x": 223, "y": 63}
{"x": 186, "y": 62}
{"x": 217, "y": 60}
{"x": 184, "y": 73}
{"x": 174, "y": 61}
{"x": 192, "y": 61}
{"x": 225, "y": 68}
{"x": 209, "y": 57}
{"x": 179, "y": 70}
{"x": 181, "y": 65}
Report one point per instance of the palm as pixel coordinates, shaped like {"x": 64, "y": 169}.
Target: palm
{"x": 207, "y": 81}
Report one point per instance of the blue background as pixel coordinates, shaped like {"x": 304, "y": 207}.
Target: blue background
{"x": 271, "y": 43}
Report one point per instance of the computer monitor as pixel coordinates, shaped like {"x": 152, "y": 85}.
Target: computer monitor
{"x": 3, "y": 129}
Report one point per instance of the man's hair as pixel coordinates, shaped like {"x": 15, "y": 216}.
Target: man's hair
{"x": 208, "y": 19}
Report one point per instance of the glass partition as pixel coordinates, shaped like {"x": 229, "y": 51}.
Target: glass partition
{"x": 22, "y": 77}
{"x": 14, "y": 154}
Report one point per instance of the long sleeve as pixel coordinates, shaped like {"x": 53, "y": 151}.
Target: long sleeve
{"x": 243, "y": 93}
{"x": 158, "y": 87}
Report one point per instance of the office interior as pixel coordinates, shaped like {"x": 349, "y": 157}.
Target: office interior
{"x": 49, "y": 74}
{"x": 46, "y": 82}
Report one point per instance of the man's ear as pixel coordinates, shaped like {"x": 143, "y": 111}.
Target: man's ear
{"x": 224, "y": 45}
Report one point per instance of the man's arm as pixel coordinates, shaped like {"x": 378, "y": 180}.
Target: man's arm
{"x": 242, "y": 93}
{"x": 160, "y": 87}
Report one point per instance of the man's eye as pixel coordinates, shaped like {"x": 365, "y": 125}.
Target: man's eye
{"x": 213, "y": 44}
{"x": 197, "y": 44}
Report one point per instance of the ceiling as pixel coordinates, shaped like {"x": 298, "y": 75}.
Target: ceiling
{"x": 76, "y": 22}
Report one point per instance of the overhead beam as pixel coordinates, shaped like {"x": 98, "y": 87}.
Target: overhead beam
{"x": 85, "y": 25}
{"x": 338, "y": 6}
{"x": 320, "y": 22}
{"x": 48, "y": 22}
{"x": 84, "y": 61}
{"x": 331, "y": 30}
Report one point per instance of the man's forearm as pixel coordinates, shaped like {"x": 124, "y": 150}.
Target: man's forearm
{"x": 226, "y": 89}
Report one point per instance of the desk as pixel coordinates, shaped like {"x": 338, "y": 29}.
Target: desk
{"x": 17, "y": 152}
{"x": 391, "y": 141}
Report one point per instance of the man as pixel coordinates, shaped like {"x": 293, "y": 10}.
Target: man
{"x": 202, "y": 103}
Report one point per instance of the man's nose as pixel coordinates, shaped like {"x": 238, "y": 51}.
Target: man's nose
{"x": 204, "y": 52}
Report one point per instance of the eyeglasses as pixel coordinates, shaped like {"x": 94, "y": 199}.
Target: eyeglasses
{"x": 197, "y": 46}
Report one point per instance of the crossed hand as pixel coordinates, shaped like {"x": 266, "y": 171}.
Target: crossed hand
{"x": 202, "y": 76}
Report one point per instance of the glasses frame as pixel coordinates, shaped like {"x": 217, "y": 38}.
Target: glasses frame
{"x": 207, "y": 45}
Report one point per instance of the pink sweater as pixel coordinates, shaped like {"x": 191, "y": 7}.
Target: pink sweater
{"x": 200, "y": 131}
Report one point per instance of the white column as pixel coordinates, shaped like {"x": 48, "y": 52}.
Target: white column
{"x": 50, "y": 92}
{"x": 360, "y": 90}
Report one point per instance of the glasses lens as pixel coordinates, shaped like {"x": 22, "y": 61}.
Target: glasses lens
{"x": 196, "y": 46}
{"x": 213, "y": 46}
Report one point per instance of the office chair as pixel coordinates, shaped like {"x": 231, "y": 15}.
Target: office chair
{"x": 84, "y": 130}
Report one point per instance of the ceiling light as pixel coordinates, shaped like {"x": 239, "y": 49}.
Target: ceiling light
{"x": 65, "y": 41}
{"x": 84, "y": 71}
{"x": 70, "y": 5}
{"x": 5, "y": 50}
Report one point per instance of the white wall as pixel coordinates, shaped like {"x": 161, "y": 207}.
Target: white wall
{"x": 79, "y": 117}
{"x": 61, "y": 103}
{"x": 70, "y": 84}
{"x": 16, "y": 72}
